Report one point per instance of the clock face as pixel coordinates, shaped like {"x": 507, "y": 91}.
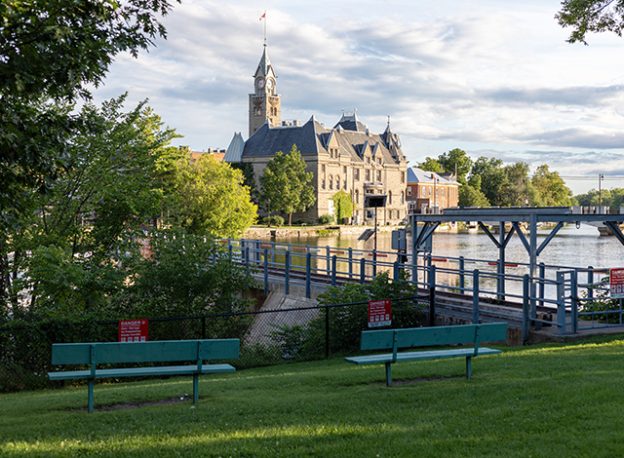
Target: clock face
{"x": 260, "y": 83}
{"x": 270, "y": 84}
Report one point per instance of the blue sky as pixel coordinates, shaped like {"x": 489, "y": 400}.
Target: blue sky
{"x": 495, "y": 78}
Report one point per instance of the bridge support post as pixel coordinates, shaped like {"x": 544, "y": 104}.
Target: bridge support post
{"x": 273, "y": 248}
{"x": 475, "y": 296}
{"x": 526, "y": 279}
{"x": 432, "y": 294}
{"x": 287, "y": 273}
{"x": 266, "y": 272}
{"x": 308, "y": 275}
{"x": 333, "y": 270}
{"x": 462, "y": 275}
{"x": 362, "y": 270}
{"x": 350, "y": 263}
{"x": 574, "y": 300}
{"x": 590, "y": 282}
{"x": 328, "y": 260}
{"x": 542, "y": 282}
{"x": 500, "y": 266}
{"x": 257, "y": 250}
{"x": 561, "y": 310}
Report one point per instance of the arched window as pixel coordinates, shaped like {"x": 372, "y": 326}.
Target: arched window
{"x": 331, "y": 182}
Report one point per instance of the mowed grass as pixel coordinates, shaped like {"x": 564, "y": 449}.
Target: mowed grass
{"x": 552, "y": 400}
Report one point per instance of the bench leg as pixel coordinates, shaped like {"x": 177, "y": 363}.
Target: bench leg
{"x": 468, "y": 367}
{"x": 388, "y": 374}
{"x": 90, "y": 403}
{"x": 195, "y": 388}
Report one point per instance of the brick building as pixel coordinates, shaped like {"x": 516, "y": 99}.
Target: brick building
{"x": 429, "y": 192}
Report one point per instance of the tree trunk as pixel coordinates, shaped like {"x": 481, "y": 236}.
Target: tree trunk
{"x": 290, "y": 219}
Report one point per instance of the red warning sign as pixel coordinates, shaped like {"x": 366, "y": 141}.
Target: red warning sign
{"x": 379, "y": 313}
{"x": 616, "y": 280}
{"x": 133, "y": 330}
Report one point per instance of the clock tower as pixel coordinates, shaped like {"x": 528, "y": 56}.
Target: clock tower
{"x": 264, "y": 103}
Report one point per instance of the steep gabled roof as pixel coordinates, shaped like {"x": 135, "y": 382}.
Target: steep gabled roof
{"x": 264, "y": 66}
{"x": 351, "y": 122}
{"x": 267, "y": 141}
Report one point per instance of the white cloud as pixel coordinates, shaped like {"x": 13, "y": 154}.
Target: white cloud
{"x": 483, "y": 75}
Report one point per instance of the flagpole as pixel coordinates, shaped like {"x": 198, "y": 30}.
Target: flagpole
{"x": 265, "y": 21}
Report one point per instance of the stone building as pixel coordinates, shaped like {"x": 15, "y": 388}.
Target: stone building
{"x": 428, "y": 192}
{"x": 347, "y": 156}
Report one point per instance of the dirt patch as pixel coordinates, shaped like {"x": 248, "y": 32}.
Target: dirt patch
{"x": 136, "y": 405}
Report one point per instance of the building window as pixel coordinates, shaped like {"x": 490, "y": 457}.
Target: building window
{"x": 367, "y": 175}
{"x": 389, "y": 197}
{"x": 331, "y": 182}
{"x": 402, "y": 197}
{"x": 322, "y": 184}
{"x": 323, "y": 168}
{"x": 356, "y": 174}
{"x": 337, "y": 183}
{"x": 378, "y": 175}
{"x": 344, "y": 170}
{"x": 409, "y": 191}
{"x": 402, "y": 177}
{"x": 357, "y": 196}
{"x": 345, "y": 185}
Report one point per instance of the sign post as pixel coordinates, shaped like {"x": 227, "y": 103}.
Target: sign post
{"x": 132, "y": 330}
{"x": 379, "y": 313}
{"x": 616, "y": 282}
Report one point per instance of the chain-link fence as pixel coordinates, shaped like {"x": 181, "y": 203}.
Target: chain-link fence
{"x": 267, "y": 336}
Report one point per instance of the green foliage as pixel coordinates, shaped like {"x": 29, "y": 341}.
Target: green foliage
{"x": 470, "y": 196}
{"x": 492, "y": 178}
{"x": 286, "y": 186}
{"x": 550, "y": 189}
{"x": 208, "y": 197}
{"x": 613, "y": 198}
{"x": 326, "y": 219}
{"x": 431, "y": 165}
{"x": 343, "y": 205}
{"x": 180, "y": 278}
{"x": 52, "y": 52}
{"x": 586, "y": 16}
{"x": 456, "y": 162}
{"x": 275, "y": 220}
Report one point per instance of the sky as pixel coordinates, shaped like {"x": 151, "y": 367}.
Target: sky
{"x": 495, "y": 78}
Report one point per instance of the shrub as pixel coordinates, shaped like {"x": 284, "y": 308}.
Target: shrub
{"x": 326, "y": 219}
{"x": 273, "y": 220}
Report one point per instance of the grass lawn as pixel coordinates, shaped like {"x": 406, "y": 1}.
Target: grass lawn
{"x": 553, "y": 400}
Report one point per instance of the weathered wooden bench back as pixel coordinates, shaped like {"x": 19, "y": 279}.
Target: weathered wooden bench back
{"x": 434, "y": 336}
{"x": 145, "y": 352}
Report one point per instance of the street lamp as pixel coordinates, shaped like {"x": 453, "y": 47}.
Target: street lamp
{"x": 600, "y": 178}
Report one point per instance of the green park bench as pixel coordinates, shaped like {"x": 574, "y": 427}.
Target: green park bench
{"x": 397, "y": 339}
{"x": 166, "y": 351}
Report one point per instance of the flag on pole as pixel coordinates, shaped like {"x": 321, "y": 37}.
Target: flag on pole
{"x": 263, "y": 16}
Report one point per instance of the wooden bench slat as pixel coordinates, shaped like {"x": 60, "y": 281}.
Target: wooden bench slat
{"x": 142, "y": 372}
{"x": 420, "y": 355}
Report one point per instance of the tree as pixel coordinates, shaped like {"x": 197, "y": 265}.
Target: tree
{"x": 456, "y": 162}
{"x": 431, "y": 165}
{"x": 470, "y": 196}
{"x": 550, "y": 189}
{"x": 209, "y": 197}
{"x": 591, "y": 16}
{"x": 492, "y": 178}
{"x": 286, "y": 186}
{"x": 516, "y": 190}
{"x": 80, "y": 231}
{"x": 51, "y": 52}
{"x": 343, "y": 205}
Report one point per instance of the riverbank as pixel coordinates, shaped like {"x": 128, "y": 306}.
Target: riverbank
{"x": 289, "y": 232}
